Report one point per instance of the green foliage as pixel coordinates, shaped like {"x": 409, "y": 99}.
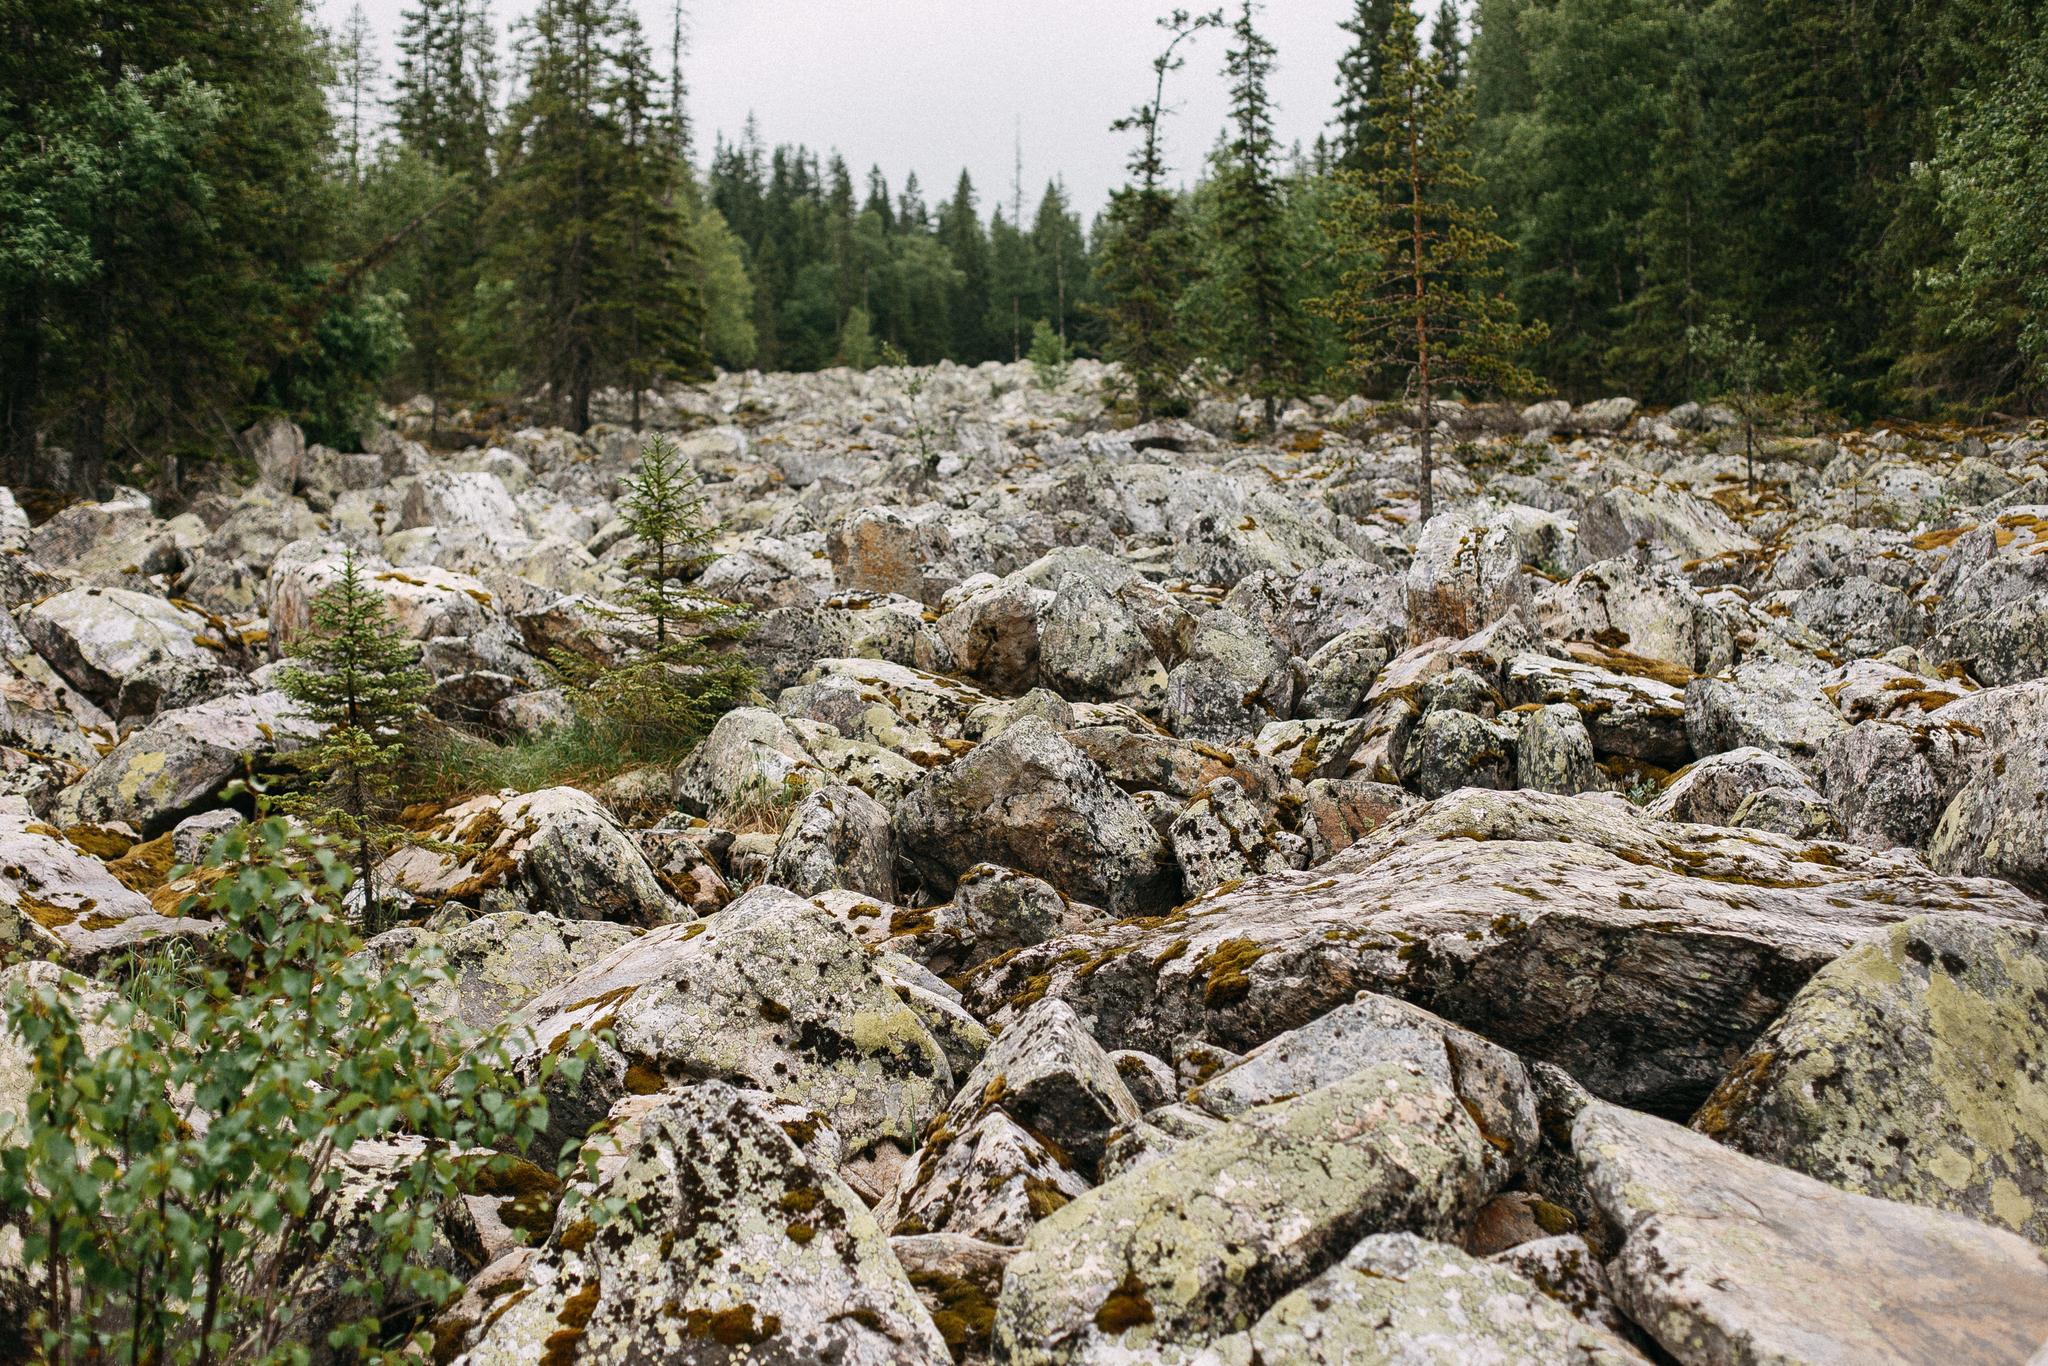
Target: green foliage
{"x": 1415, "y": 303}
{"x": 857, "y": 346}
{"x": 670, "y": 672}
{"x": 1361, "y": 79}
{"x": 1992, "y": 174}
{"x": 587, "y": 240}
{"x": 1148, "y": 256}
{"x": 1051, "y": 358}
{"x": 727, "y": 291}
{"x": 1761, "y": 386}
{"x": 364, "y": 688}
{"x": 172, "y": 1188}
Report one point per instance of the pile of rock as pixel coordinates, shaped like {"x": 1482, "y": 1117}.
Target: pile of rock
{"x": 1164, "y": 905}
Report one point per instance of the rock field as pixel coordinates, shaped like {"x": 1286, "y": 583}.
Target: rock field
{"x": 1163, "y": 905}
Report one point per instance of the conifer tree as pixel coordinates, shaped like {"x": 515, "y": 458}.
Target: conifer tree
{"x": 671, "y": 680}
{"x": 1413, "y": 303}
{"x": 1265, "y": 334}
{"x": 1445, "y": 43}
{"x": 363, "y": 686}
{"x": 1149, "y": 254}
{"x": 1361, "y": 77}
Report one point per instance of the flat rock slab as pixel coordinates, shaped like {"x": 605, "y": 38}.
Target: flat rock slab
{"x": 1641, "y": 956}
{"x": 1730, "y": 1261}
{"x": 1913, "y": 1067}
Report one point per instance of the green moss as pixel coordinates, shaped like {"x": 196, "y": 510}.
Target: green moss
{"x": 1127, "y": 1306}
{"x": 1227, "y": 965}
{"x": 734, "y": 1327}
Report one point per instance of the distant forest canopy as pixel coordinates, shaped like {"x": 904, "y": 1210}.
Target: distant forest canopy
{"x": 213, "y": 211}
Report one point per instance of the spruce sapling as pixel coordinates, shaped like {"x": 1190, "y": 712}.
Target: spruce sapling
{"x": 363, "y": 686}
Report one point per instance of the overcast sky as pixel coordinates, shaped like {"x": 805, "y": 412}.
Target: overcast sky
{"x": 937, "y": 85}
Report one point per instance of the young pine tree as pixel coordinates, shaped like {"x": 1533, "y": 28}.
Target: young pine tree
{"x": 363, "y": 686}
{"x": 1413, "y": 304}
{"x": 671, "y": 680}
{"x": 1265, "y": 334}
{"x": 1150, "y": 252}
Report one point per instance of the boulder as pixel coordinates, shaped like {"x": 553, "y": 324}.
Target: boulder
{"x": 1047, "y": 1073}
{"x": 59, "y": 902}
{"x": 1711, "y": 791}
{"x": 1230, "y": 685}
{"x": 1465, "y": 574}
{"x": 1913, "y": 1068}
{"x": 1208, "y": 1237}
{"x": 425, "y": 602}
{"x": 1729, "y": 1259}
{"x": 1995, "y": 824}
{"x": 1031, "y": 801}
{"x": 1637, "y": 715}
{"x": 1220, "y": 837}
{"x": 1993, "y": 598}
{"x": 990, "y": 1182}
{"x": 1092, "y": 650}
{"x": 497, "y": 963}
{"x": 1664, "y": 525}
{"x": 471, "y": 502}
{"x": 1774, "y": 707}
{"x": 557, "y": 851}
{"x": 1554, "y": 752}
{"x": 259, "y": 528}
{"x": 1397, "y": 1298}
{"x": 991, "y": 627}
{"x": 1620, "y": 604}
{"x": 176, "y": 765}
{"x": 1267, "y": 532}
{"x": 750, "y": 755}
{"x": 771, "y": 992}
{"x": 743, "y": 1246}
{"x": 1451, "y": 749}
{"x": 836, "y": 837}
{"x": 1336, "y": 814}
{"x": 1639, "y": 955}
{"x": 97, "y": 637}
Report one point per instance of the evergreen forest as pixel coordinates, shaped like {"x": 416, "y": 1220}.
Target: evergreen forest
{"x": 210, "y": 213}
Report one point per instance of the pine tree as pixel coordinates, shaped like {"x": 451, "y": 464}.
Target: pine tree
{"x": 1413, "y": 303}
{"x": 589, "y": 252}
{"x": 362, "y": 686}
{"x": 1265, "y": 334}
{"x": 1445, "y": 43}
{"x": 672, "y": 680}
{"x": 355, "y": 71}
{"x": 1361, "y": 78}
{"x": 1149, "y": 251}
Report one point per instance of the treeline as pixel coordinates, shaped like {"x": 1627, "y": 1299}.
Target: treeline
{"x": 209, "y": 212}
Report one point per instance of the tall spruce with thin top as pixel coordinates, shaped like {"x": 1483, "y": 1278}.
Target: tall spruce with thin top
{"x": 365, "y": 687}
{"x": 1413, "y": 304}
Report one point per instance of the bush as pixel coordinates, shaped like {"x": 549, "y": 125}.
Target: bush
{"x": 178, "y": 1192}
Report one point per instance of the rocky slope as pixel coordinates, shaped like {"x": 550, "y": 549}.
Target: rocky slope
{"x": 1164, "y": 905}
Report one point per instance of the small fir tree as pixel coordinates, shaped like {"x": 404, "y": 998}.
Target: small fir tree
{"x": 364, "y": 687}
{"x": 668, "y": 679}
{"x": 1413, "y": 302}
{"x": 1762, "y": 387}
{"x": 1149, "y": 253}
{"x": 1051, "y": 357}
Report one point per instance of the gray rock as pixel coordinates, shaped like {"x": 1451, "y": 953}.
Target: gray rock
{"x": 1047, "y": 1072}
{"x": 1220, "y": 837}
{"x": 750, "y": 755}
{"x": 475, "y": 502}
{"x": 1622, "y": 605}
{"x": 742, "y": 1242}
{"x": 557, "y": 851}
{"x": 1554, "y": 753}
{"x": 60, "y": 903}
{"x": 1490, "y": 1081}
{"x": 1208, "y": 1237}
{"x": 1797, "y": 812}
{"x": 1859, "y": 616}
{"x": 1267, "y": 532}
{"x": 836, "y": 837}
{"x": 991, "y": 1182}
{"x": 1397, "y": 1298}
{"x": 1669, "y": 525}
{"x": 1031, "y": 801}
{"x": 1466, "y": 573}
{"x": 176, "y": 765}
{"x": 1993, "y": 594}
{"x": 1229, "y": 686}
{"x": 1340, "y": 673}
{"x": 97, "y": 637}
{"x": 193, "y": 836}
{"x": 1910, "y": 1069}
{"x": 1635, "y": 953}
{"x": 724, "y": 998}
{"x": 1730, "y": 1260}
{"x": 1092, "y": 650}
{"x": 1336, "y": 815}
{"x": 1775, "y": 707}
{"x": 1711, "y": 791}
{"x": 497, "y": 963}
{"x": 1452, "y": 749}
{"x": 1150, "y": 1079}
{"x": 1995, "y": 825}
{"x": 1632, "y": 714}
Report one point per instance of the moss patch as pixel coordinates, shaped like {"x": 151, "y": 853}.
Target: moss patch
{"x": 1126, "y": 1307}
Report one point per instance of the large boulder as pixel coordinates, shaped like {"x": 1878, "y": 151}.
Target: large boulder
{"x": 497, "y": 963}
{"x": 1993, "y": 595}
{"x": 1667, "y": 526}
{"x": 1761, "y": 703}
{"x": 57, "y": 901}
{"x": 742, "y": 1248}
{"x": 1206, "y": 1238}
{"x": 425, "y": 602}
{"x": 556, "y": 851}
{"x": 771, "y": 992}
{"x": 1914, "y": 1068}
{"x": 470, "y": 502}
{"x": 176, "y": 765}
{"x": 837, "y": 837}
{"x": 1729, "y": 1259}
{"x": 1466, "y": 573}
{"x": 1637, "y": 714}
{"x": 1639, "y": 955}
{"x": 1621, "y": 604}
{"x": 1231, "y": 685}
{"x": 1711, "y": 791}
{"x": 1995, "y": 824}
{"x": 750, "y": 755}
{"x": 97, "y": 637}
{"x": 1397, "y": 1298}
{"x": 1031, "y": 801}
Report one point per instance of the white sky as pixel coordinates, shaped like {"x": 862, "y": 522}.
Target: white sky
{"x": 935, "y": 85}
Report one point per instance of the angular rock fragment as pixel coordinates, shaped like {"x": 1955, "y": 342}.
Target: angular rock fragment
{"x": 836, "y": 837}
{"x": 176, "y": 765}
{"x": 1220, "y": 837}
{"x": 1554, "y": 753}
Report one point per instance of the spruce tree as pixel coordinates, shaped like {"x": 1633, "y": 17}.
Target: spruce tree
{"x": 1361, "y": 78}
{"x": 1149, "y": 253}
{"x": 363, "y": 686}
{"x": 1265, "y": 333}
{"x": 671, "y": 679}
{"x": 1413, "y": 302}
